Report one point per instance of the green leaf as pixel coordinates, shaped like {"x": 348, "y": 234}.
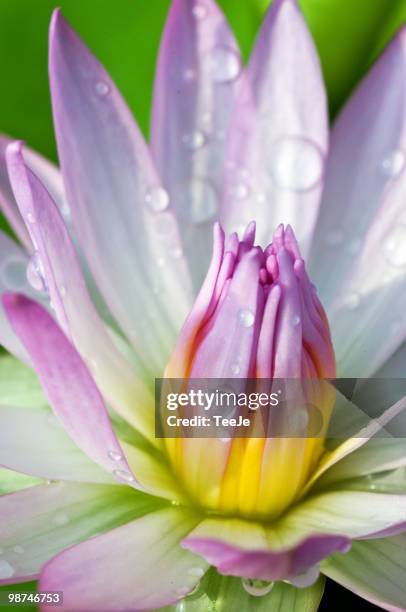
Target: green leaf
{"x": 374, "y": 569}
{"x": 22, "y": 587}
{"x": 19, "y": 385}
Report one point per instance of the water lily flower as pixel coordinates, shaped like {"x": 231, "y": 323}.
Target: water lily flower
{"x": 113, "y": 287}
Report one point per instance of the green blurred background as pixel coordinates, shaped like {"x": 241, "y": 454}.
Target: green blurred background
{"x": 124, "y": 34}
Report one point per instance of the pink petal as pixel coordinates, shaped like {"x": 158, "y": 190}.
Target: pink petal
{"x": 139, "y": 566}
{"x": 68, "y": 292}
{"x": 117, "y": 203}
{"x": 38, "y": 522}
{"x": 68, "y": 384}
{"x": 278, "y": 132}
{"x": 266, "y": 564}
{"x": 198, "y": 75}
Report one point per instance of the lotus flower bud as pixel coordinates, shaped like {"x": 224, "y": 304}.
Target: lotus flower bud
{"x": 257, "y": 316}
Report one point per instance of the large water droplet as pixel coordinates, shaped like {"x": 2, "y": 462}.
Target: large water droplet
{"x": 199, "y": 200}
{"x": 306, "y": 579}
{"x": 296, "y": 163}
{"x": 6, "y": 570}
{"x": 115, "y": 455}
{"x": 352, "y": 300}
{"x": 223, "y": 64}
{"x": 157, "y": 199}
{"x": 394, "y": 246}
{"x": 196, "y": 571}
{"x": 199, "y": 10}
{"x": 246, "y": 317}
{"x": 257, "y": 588}
{"x": 35, "y": 273}
{"x": 194, "y": 140}
{"x": 13, "y": 272}
{"x": 393, "y": 163}
{"x": 101, "y": 88}
{"x": 124, "y": 475}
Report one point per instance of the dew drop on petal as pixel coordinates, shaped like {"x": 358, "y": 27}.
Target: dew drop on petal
{"x": 199, "y": 10}
{"x": 194, "y": 140}
{"x": 6, "y": 570}
{"x": 246, "y": 317}
{"x": 240, "y": 191}
{"x": 35, "y": 273}
{"x": 176, "y": 252}
{"x": 60, "y": 520}
{"x": 30, "y": 217}
{"x": 196, "y": 571}
{"x": 393, "y": 163}
{"x": 351, "y": 301}
{"x": 62, "y": 290}
{"x": 306, "y": 579}
{"x": 235, "y": 368}
{"x": 115, "y": 455}
{"x": 257, "y": 588}
{"x": 157, "y": 198}
{"x": 13, "y": 272}
{"x": 101, "y": 88}
{"x": 165, "y": 225}
{"x": 124, "y": 475}
{"x": 19, "y": 550}
{"x": 296, "y": 320}
{"x": 223, "y": 64}
{"x": 394, "y": 246}
{"x": 296, "y": 163}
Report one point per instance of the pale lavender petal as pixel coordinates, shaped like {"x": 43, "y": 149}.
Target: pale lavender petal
{"x": 33, "y": 441}
{"x": 139, "y": 566}
{"x": 266, "y": 564}
{"x": 68, "y": 384}
{"x": 374, "y": 570}
{"x": 362, "y": 225}
{"x": 38, "y": 522}
{"x": 56, "y": 268}
{"x": 120, "y": 213}
{"x": 278, "y": 132}
{"x": 198, "y": 74}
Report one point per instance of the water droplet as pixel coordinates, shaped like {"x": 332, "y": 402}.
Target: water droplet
{"x": 14, "y": 272}
{"x": 101, "y": 88}
{"x": 257, "y": 588}
{"x": 246, "y": 318}
{"x": 199, "y": 200}
{"x": 62, "y": 290}
{"x": 6, "y": 570}
{"x": 60, "y": 520}
{"x": 19, "y": 550}
{"x": 394, "y": 246}
{"x": 194, "y": 140}
{"x": 352, "y": 301}
{"x": 240, "y": 191}
{"x": 334, "y": 237}
{"x": 175, "y": 503}
{"x": 30, "y": 218}
{"x": 124, "y": 475}
{"x": 115, "y": 455}
{"x": 157, "y": 199}
{"x": 196, "y": 571}
{"x": 35, "y": 273}
{"x": 235, "y": 369}
{"x": 176, "y": 252}
{"x": 296, "y": 163}
{"x": 296, "y": 320}
{"x": 66, "y": 211}
{"x": 306, "y": 579}
{"x": 260, "y": 198}
{"x": 223, "y": 64}
{"x": 165, "y": 225}
{"x": 160, "y": 262}
{"x": 199, "y": 10}
{"x": 393, "y": 163}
